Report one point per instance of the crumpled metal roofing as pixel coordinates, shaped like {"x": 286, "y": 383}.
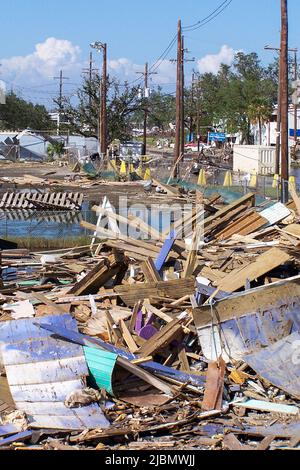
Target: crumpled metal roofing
{"x": 42, "y": 371}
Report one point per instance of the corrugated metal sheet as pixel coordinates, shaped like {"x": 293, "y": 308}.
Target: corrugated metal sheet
{"x": 275, "y": 213}
{"x": 42, "y": 371}
{"x": 280, "y": 364}
{"x": 101, "y": 365}
{"x": 248, "y": 321}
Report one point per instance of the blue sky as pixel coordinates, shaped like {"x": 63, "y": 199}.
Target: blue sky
{"x": 135, "y": 31}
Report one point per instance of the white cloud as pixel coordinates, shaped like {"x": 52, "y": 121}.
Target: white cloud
{"x": 44, "y": 62}
{"x": 125, "y": 69}
{"x": 211, "y": 63}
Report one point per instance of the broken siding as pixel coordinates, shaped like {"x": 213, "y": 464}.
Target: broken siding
{"x": 42, "y": 371}
{"x": 280, "y": 364}
{"x": 249, "y": 321}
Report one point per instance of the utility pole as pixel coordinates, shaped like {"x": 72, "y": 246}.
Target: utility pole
{"x": 284, "y": 105}
{"x": 104, "y": 104}
{"x": 99, "y": 46}
{"x": 277, "y": 158}
{"x": 295, "y": 105}
{"x": 182, "y": 140}
{"x": 61, "y": 79}
{"x": 146, "y": 75}
{"x": 192, "y": 104}
{"x": 90, "y": 71}
{"x": 179, "y": 136}
{"x": 178, "y": 100}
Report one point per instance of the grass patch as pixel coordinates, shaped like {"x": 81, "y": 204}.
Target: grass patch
{"x": 47, "y": 244}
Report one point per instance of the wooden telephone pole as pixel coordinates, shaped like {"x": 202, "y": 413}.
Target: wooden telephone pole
{"x": 178, "y": 143}
{"x": 104, "y": 104}
{"x": 146, "y": 75}
{"x": 179, "y": 140}
{"x": 284, "y": 105}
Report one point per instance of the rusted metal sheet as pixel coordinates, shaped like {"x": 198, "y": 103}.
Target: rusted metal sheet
{"x": 280, "y": 364}
{"x": 42, "y": 371}
{"x": 249, "y": 321}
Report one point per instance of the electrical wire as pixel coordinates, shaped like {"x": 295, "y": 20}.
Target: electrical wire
{"x": 222, "y": 7}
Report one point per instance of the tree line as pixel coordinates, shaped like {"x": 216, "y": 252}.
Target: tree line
{"x": 231, "y": 100}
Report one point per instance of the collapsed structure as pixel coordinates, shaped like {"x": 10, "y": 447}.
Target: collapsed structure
{"x": 148, "y": 344}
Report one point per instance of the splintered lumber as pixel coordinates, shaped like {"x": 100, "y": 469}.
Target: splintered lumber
{"x": 182, "y": 356}
{"x": 149, "y": 270}
{"x": 98, "y": 276}
{"x": 174, "y": 289}
{"x": 131, "y": 221}
{"x": 293, "y": 229}
{"x": 295, "y": 197}
{"x": 263, "y": 264}
{"x": 213, "y": 394}
{"x": 162, "y": 338}
{"x": 158, "y": 313}
{"x": 247, "y": 223}
{"x": 127, "y": 337}
{"x": 247, "y": 200}
{"x": 117, "y": 237}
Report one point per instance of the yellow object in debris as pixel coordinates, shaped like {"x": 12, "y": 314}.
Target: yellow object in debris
{"x": 228, "y": 179}
{"x": 131, "y": 168}
{"x": 140, "y": 171}
{"x": 253, "y": 180}
{"x": 147, "y": 176}
{"x": 238, "y": 377}
{"x": 123, "y": 169}
{"x": 292, "y": 182}
{"x": 275, "y": 181}
{"x": 202, "y": 178}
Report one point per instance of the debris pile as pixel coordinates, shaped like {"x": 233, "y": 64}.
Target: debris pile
{"x": 169, "y": 342}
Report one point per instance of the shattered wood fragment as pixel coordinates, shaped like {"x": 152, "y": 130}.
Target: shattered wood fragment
{"x": 213, "y": 394}
{"x": 262, "y": 265}
{"x": 99, "y": 275}
{"x": 162, "y": 338}
{"x": 174, "y": 289}
{"x": 128, "y": 337}
{"x": 149, "y": 270}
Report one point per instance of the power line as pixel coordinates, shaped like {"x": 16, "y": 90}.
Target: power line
{"x": 214, "y": 14}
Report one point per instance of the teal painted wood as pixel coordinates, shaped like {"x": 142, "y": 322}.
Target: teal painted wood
{"x": 101, "y": 365}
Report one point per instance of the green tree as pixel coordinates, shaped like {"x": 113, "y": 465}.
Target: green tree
{"x": 18, "y": 114}
{"x": 83, "y": 116}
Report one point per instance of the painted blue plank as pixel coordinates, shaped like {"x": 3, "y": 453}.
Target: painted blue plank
{"x": 7, "y": 429}
{"x": 164, "y": 252}
{"x": 22, "y": 436}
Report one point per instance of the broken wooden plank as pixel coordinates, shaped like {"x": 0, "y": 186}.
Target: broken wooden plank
{"x": 99, "y": 275}
{"x": 149, "y": 270}
{"x": 162, "y": 338}
{"x": 214, "y": 386}
{"x": 175, "y": 289}
{"x": 263, "y": 264}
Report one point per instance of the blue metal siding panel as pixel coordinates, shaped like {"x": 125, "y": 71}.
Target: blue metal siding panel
{"x": 42, "y": 371}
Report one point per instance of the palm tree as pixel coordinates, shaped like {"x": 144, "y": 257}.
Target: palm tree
{"x": 259, "y": 111}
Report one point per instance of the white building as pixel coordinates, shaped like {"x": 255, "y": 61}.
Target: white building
{"x": 269, "y": 129}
